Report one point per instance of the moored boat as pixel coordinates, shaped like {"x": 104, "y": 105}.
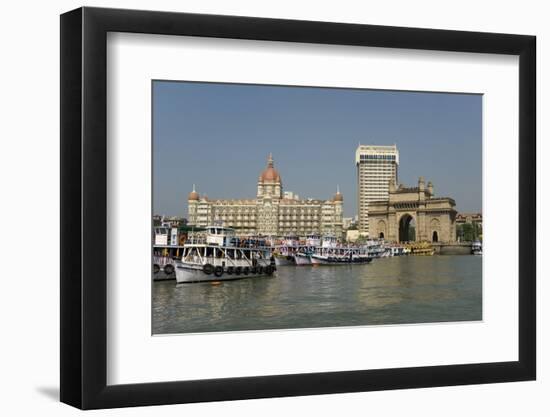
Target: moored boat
{"x": 283, "y": 260}
{"x": 340, "y": 256}
{"x": 285, "y": 252}
{"x": 222, "y": 256}
{"x": 477, "y": 248}
{"x": 302, "y": 258}
{"x": 331, "y": 253}
{"x": 303, "y": 253}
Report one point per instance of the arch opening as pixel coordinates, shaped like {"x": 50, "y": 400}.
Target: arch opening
{"x": 435, "y": 237}
{"x": 381, "y": 235}
{"x": 407, "y": 229}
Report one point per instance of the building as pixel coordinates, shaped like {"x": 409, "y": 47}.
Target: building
{"x": 271, "y": 213}
{"x": 352, "y": 235}
{"x": 289, "y": 195}
{"x": 433, "y": 218}
{"x": 347, "y": 222}
{"x": 473, "y": 218}
{"x": 376, "y": 168}
{"x": 475, "y": 231}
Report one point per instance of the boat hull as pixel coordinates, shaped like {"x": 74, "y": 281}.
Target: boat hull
{"x": 187, "y": 273}
{"x": 319, "y": 260}
{"x": 302, "y": 260}
{"x": 282, "y": 260}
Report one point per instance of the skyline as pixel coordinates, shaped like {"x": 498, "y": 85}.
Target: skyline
{"x": 312, "y": 133}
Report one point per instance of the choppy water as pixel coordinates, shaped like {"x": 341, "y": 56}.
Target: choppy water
{"x": 409, "y": 289}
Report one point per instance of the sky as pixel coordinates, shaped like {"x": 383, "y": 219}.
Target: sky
{"x": 218, "y": 137}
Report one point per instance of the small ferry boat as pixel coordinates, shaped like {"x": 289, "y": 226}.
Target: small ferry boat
{"x": 331, "y": 253}
{"x": 376, "y": 249}
{"x": 285, "y": 252}
{"x": 397, "y": 250}
{"x": 477, "y": 248}
{"x": 222, "y": 256}
{"x": 302, "y": 256}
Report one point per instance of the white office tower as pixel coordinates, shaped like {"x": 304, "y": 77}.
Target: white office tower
{"x": 376, "y": 167}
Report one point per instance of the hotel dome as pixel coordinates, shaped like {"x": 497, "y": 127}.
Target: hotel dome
{"x": 193, "y": 195}
{"x": 270, "y": 174}
{"x": 338, "y": 196}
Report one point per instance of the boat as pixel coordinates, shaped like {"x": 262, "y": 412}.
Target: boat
{"x": 283, "y": 259}
{"x": 477, "y": 248}
{"x": 376, "y": 249}
{"x": 221, "y": 256}
{"x": 285, "y": 252}
{"x": 341, "y": 256}
{"x": 331, "y": 253}
{"x": 396, "y": 250}
{"x": 302, "y": 255}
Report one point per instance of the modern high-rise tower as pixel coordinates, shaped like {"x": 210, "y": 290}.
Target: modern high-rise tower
{"x": 376, "y": 167}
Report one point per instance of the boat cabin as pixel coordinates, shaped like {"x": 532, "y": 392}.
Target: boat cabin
{"x": 220, "y": 236}
{"x": 329, "y": 241}
{"x": 313, "y": 240}
{"x": 290, "y": 240}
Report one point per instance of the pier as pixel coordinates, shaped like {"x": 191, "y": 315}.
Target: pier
{"x": 454, "y": 248}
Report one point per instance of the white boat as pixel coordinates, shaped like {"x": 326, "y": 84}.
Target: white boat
{"x": 222, "y": 256}
{"x": 477, "y": 248}
{"x": 376, "y": 249}
{"x": 304, "y": 252}
{"x": 331, "y": 253}
{"x": 341, "y": 256}
{"x": 282, "y": 259}
{"x": 302, "y": 258}
{"x": 397, "y": 250}
{"x": 285, "y": 252}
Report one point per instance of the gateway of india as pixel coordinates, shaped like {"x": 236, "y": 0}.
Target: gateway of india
{"x": 271, "y": 213}
{"x": 388, "y": 210}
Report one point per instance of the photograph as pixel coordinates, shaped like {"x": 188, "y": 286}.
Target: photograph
{"x": 293, "y": 207}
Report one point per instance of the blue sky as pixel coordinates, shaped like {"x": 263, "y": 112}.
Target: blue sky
{"x": 218, "y": 136}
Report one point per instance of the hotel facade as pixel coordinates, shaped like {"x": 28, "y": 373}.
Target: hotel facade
{"x": 272, "y": 213}
{"x": 376, "y": 169}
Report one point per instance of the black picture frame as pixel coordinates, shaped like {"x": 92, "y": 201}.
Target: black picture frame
{"x": 84, "y": 207}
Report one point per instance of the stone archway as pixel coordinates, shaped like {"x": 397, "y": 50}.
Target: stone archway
{"x": 435, "y": 227}
{"x": 381, "y": 229}
{"x": 407, "y": 228}
{"x": 413, "y": 209}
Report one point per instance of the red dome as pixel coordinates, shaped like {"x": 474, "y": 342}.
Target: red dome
{"x": 193, "y": 195}
{"x": 338, "y": 196}
{"x": 270, "y": 174}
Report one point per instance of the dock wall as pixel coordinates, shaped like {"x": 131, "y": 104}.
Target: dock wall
{"x": 453, "y": 248}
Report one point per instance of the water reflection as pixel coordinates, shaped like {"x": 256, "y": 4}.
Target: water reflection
{"x": 388, "y": 291}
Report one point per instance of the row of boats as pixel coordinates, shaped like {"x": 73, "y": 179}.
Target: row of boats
{"x": 324, "y": 250}
{"x": 221, "y": 255}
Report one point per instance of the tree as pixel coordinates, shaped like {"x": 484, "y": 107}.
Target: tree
{"x": 476, "y": 231}
{"x": 466, "y": 232}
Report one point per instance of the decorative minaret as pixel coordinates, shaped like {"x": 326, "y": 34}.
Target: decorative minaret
{"x": 192, "y": 203}
{"x": 430, "y": 188}
{"x": 421, "y": 189}
{"x": 338, "y": 200}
